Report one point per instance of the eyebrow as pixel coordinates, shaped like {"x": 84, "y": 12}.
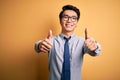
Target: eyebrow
{"x": 68, "y": 15}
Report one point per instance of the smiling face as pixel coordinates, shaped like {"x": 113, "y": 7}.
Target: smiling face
{"x": 68, "y": 21}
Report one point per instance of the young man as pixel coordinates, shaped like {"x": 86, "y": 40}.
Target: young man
{"x": 66, "y": 50}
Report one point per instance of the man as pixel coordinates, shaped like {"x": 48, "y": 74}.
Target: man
{"x": 66, "y": 50}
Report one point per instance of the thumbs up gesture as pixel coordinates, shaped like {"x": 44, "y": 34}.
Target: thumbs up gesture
{"x": 46, "y": 44}
{"x": 90, "y": 43}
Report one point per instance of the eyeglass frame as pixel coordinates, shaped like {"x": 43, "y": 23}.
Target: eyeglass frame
{"x": 67, "y": 17}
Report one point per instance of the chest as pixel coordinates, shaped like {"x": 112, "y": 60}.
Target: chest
{"x": 75, "y": 49}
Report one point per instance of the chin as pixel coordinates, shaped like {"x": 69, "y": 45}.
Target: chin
{"x": 69, "y": 30}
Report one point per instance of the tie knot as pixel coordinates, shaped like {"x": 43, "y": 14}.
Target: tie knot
{"x": 67, "y": 39}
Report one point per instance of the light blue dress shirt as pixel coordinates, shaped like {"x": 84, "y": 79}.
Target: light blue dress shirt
{"x": 77, "y": 50}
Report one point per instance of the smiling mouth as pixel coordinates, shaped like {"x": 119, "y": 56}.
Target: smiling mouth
{"x": 68, "y": 25}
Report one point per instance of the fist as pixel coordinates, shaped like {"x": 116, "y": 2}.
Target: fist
{"x": 46, "y": 44}
{"x": 90, "y": 43}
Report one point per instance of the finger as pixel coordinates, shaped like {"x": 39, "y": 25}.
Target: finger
{"x": 89, "y": 41}
{"x": 90, "y": 44}
{"x": 48, "y": 42}
{"x": 43, "y": 50}
{"x": 46, "y": 45}
{"x": 86, "y": 33}
{"x": 49, "y": 34}
{"x": 93, "y": 47}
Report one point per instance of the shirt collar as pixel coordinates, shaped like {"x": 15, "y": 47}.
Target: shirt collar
{"x": 62, "y": 36}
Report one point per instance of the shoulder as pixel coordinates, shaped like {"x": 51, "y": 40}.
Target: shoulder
{"x": 56, "y": 38}
{"x": 79, "y": 38}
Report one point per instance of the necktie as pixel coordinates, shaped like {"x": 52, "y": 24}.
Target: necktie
{"x": 66, "y": 63}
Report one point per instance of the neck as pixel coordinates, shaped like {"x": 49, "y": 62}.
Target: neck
{"x": 67, "y": 34}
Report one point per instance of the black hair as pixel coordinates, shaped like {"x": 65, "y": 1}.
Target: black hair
{"x": 70, "y": 7}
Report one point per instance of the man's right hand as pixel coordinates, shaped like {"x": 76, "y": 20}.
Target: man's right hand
{"x": 46, "y": 44}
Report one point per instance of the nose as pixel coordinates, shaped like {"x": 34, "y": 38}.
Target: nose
{"x": 69, "y": 19}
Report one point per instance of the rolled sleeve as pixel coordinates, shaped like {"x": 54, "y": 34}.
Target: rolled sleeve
{"x": 98, "y": 50}
{"x": 37, "y": 46}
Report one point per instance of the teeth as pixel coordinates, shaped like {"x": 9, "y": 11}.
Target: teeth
{"x": 68, "y": 25}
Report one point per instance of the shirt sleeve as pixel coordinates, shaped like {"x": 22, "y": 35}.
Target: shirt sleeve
{"x": 93, "y": 53}
{"x": 36, "y": 47}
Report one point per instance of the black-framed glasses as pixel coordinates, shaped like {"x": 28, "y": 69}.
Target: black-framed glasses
{"x": 72, "y": 18}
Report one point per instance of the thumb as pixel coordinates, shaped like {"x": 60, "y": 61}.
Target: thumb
{"x": 49, "y": 34}
{"x": 86, "y": 34}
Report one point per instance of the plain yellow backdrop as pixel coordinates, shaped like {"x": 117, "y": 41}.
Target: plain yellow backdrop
{"x": 23, "y": 22}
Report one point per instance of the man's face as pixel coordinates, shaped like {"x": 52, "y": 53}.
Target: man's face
{"x": 68, "y": 21}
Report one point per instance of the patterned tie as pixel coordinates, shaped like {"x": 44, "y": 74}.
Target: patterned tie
{"x": 66, "y": 63}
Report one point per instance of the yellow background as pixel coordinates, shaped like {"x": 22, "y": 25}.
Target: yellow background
{"x": 23, "y": 22}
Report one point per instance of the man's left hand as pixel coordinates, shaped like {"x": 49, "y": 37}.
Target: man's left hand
{"x": 90, "y": 43}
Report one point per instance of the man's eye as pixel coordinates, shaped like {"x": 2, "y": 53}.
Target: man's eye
{"x": 65, "y": 16}
{"x": 74, "y": 18}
